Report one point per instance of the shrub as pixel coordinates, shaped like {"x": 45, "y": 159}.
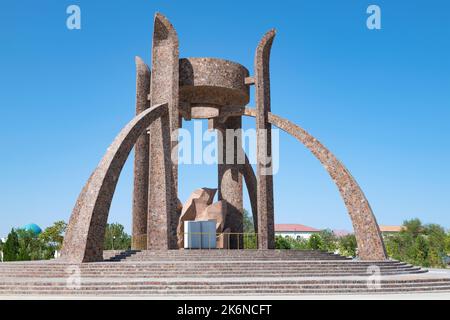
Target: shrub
{"x": 282, "y": 243}
{"x": 315, "y": 242}
{"x": 116, "y": 238}
{"x": 11, "y": 247}
{"x": 422, "y": 245}
{"x": 347, "y": 245}
{"x": 328, "y": 240}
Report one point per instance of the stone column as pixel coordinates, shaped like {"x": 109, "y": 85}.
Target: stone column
{"x": 230, "y": 177}
{"x": 141, "y": 160}
{"x": 162, "y": 200}
{"x": 265, "y": 208}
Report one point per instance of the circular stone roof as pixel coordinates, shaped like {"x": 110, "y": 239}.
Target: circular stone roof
{"x": 32, "y": 227}
{"x": 213, "y": 81}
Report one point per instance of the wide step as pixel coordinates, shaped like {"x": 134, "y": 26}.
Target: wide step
{"x": 216, "y": 272}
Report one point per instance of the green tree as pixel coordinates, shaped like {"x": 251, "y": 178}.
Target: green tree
{"x": 393, "y": 244}
{"x": 53, "y": 238}
{"x": 248, "y": 222}
{"x": 436, "y": 237}
{"x": 31, "y": 247}
{"x": 11, "y": 247}
{"x": 26, "y": 239}
{"x": 420, "y": 251}
{"x": 250, "y": 238}
{"x": 404, "y": 246}
{"x": 412, "y": 227}
{"x": 291, "y": 243}
{"x": 299, "y": 244}
{"x": 315, "y": 242}
{"x": 282, "y": 243}
{"x": 447, "y": 243}
{"x": 418, "y": 244}
{"x": 329, "y": 240}
{"x": 23, "y": 245}
{"x": 116, "y": 238}
{"x": 347, "y": 245}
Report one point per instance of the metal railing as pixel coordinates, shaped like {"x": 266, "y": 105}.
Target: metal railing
{"x": 220, "y": 240}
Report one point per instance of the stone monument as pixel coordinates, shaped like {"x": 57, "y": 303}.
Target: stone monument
{"x": 200, "y": 88}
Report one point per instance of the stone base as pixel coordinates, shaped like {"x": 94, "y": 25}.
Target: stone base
{"x": 211, "y": 273}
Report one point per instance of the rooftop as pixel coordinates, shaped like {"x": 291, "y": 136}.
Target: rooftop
{"x": 391, "y": 228}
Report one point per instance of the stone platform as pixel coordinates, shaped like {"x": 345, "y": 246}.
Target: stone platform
{"x": 181, "y": 273}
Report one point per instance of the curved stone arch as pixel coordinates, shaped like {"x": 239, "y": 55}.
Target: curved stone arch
{"x": 85, "y": 233}
{"x": 367, "y": 232}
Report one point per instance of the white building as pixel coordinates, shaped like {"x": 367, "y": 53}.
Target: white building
{"x": 296, "y": 231}
{"x": 390, "y": 230}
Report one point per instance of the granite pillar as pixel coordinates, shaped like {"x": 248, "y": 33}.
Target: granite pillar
{"x": 230, "y": 177}
{"x": 141, "y": 162}
{"x": 265, "y": 207}
{"x": 162, "y": 199}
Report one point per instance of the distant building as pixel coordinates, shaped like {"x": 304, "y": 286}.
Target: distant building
{"x": 341, "y": 233}
{"x": 33, "y": 228}
{"x": 390, "y": 230}
{"x": 295, "y": 231}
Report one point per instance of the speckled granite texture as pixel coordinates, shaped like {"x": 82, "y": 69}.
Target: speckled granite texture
{"x": 213, "y": 81}
{"x": 230, "y": 179}
{"x": 84, "y": 238}
{"x": 264, "y": 177}
{"x": 163, "y": 179}
{"x": 141, "y": 161}
{"x": 367, "y": 232}
{"x": 204, "y": 88}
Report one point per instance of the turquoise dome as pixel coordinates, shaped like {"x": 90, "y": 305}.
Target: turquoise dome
{"x": 32, "y": 227}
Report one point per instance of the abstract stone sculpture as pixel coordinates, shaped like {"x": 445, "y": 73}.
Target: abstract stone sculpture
{"x": 199, "y": 207}
{"x": 197, "y": 202}
{"x": 200, "y": 88}
{"x": 216, "y": 211}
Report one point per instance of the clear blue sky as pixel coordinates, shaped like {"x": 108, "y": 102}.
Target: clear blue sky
{"x": 380, "y": 100}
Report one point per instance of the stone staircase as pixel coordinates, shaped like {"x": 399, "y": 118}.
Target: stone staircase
{"x": 215, "y": 272}
{"x": 229, "y": 255}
